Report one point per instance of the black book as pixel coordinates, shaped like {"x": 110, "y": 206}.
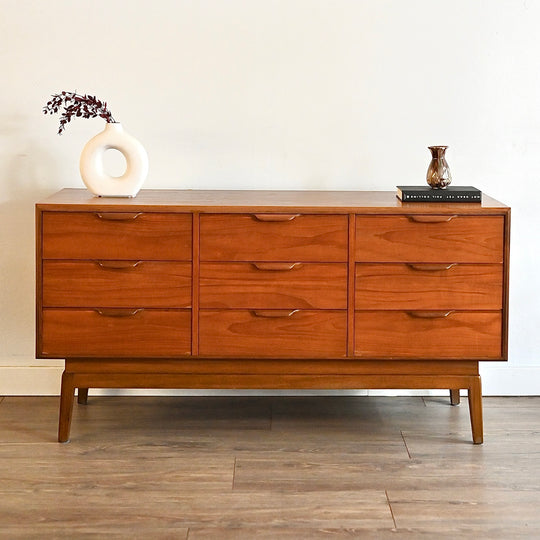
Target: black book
{"x": 458, "y": 194}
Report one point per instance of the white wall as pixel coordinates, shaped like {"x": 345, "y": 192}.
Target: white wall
{"x": 291, "y": 94}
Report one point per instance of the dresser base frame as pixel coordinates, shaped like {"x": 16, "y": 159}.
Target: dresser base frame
{"x": 213, "y": 373}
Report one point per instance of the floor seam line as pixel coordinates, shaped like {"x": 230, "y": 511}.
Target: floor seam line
{"x": 405, "y": 443}
{"x": 390, "y": 507}
{"x": 233, "y": 474}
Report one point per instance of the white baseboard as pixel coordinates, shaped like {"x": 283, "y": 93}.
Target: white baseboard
{"x": 39, "y": 379}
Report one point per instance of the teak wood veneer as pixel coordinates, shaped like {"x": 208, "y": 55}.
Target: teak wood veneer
{"x": 270, "y": 289}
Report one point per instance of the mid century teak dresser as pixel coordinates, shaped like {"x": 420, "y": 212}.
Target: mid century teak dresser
{"x": 270, "y": 289}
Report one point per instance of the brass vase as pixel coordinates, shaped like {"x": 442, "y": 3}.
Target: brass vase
{"x": 438, "y": 173}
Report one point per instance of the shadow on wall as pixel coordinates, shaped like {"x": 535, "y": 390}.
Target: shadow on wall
{"x": 25, "y": 177}
{"x": 26, "y": 167}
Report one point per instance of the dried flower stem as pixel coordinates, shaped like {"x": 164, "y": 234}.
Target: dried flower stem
{"x": 84, "y": 106}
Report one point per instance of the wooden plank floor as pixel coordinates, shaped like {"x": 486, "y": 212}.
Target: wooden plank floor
{"x": 269, "y": 468}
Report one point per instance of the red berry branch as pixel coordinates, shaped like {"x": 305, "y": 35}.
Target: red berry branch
{"x": 84, "y": 106}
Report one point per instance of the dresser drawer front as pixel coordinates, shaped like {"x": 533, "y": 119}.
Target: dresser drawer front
{"x": 112, "y": 235}
{"x": 273, "y": 285}
{"x": 273, "y": 237}
{"x": 131, "y": 333}
{"x": 430, "y": 239}
{"x": 400, "y": 334}
{"x": 116, "y": 284}
{"x": 302, "y": 334}
{"x": 429, "y": 286}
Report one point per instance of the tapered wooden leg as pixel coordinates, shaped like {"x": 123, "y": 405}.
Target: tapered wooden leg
{"x": 475, "y": 409}
{"x": 82, "y": 396}
{"x": 67, "y": 397}
{"x": 454, "y": 396}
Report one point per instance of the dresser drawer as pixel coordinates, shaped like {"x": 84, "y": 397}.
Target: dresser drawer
{"x": 116, "y": 235}
{"x": 116, "y": 284}
{"x": 273, "y": 237}
{"x": 273, "y": 333}
{"x": 428, "y": 238}
{"x": 120, "y": 333}
{"x": 428, "y": 334}
{"x": 273, "y": 285}
{"x": 429, "y": 286}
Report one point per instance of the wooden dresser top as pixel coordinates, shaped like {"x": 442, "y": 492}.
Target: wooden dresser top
{"x": 340, "y": 202}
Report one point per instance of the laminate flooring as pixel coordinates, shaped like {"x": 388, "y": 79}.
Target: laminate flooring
{"x": 324, "y": 467}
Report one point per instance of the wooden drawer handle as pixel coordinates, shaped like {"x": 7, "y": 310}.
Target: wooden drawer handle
{"x": 275, "y": 217}
{"x": 118, "y": 216}
{"x": 118, "y": 312}
{"x": 118, "y": 265}
{"x": 431, "y": 219}
{"x": 429, "y": 314}
{"x": 273, "y": 267}
{"x": 431, "y": 267}
{"x": 274, "y": 313}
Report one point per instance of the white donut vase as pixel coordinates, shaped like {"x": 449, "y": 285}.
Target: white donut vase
{"x": 92, "y": 169}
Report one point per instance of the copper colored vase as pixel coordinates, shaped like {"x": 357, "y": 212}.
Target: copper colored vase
{"x": 438, "y": 174}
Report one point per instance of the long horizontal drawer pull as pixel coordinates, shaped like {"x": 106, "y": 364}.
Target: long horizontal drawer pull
{"x": 431, "y": 267}
{"x": 277, "y": 266}
{"x": 274, "y": 313}
{"x": 275, "y": 217}
{"x": 431, "y": 219}
{"x": 429, "y": 314}
{"x": 118, "y": 216}
{"x": 111, "y": 312}
{"x": 118, "y": 265}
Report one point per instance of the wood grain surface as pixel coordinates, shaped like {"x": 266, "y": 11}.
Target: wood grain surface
{"x": 401, "y": 239}
{"x": 427, "y": 334}
{"x": 273, "y": 333}
{"x": 294, "y": 467}
{"x": 429, "y": 286}
{"x": 116, "y": 284}
{"x": 270, "y": 285}
{"x": 139, "y": 236}
{"x": 124, "y": 332}
{"x": 304, "y": 238}
{"x": 245, "y": 200}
